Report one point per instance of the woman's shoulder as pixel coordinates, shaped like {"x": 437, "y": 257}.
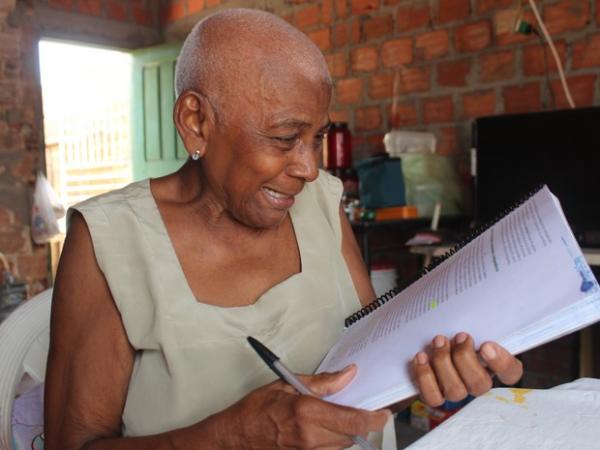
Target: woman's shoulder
{"x": 117, "y": 196}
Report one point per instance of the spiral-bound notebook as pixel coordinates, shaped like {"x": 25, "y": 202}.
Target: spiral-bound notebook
{"x": 522, "y": 281}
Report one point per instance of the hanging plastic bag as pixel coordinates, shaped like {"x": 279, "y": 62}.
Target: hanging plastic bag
{"x": 45, "y": 212}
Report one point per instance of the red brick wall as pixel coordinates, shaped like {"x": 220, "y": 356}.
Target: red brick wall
{"x": 141, "y": 12}
{"x": 21, "y": 141}
{"x": 456, "y": 60}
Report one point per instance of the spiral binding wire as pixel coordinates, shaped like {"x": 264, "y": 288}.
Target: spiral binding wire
{"x": 383, "y": 299}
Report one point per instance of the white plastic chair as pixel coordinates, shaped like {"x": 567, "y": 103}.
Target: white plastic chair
{"x": 24, "y": 340}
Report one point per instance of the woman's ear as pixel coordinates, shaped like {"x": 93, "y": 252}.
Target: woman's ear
{"x": 192, "y": 115}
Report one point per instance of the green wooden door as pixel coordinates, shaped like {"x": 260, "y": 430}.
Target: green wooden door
{"x": 156, "y": 147}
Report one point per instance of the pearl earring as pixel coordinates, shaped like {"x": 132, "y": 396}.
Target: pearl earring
{"x": 196, "y": 155}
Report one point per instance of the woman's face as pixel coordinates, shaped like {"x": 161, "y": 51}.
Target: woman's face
{"x": 267, "y": 146}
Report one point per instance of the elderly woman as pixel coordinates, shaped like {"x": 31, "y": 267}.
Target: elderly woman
{"x": 160, "y": 282}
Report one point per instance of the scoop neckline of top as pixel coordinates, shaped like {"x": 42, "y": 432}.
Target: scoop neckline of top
{"x": 190, "y": 293}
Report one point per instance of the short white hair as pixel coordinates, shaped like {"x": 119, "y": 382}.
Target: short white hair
{"x": 207, "y": 59}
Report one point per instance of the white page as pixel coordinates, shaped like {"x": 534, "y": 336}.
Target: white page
{"x": 522, "y": 270}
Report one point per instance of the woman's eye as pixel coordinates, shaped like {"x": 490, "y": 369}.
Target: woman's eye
{"x": 319, "y": 140}
{"x": 287, "y": 140}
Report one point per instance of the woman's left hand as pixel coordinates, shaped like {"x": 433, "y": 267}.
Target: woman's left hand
{"x": 454, "y": 369}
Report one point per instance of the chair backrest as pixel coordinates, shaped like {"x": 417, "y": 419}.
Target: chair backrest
{"x": 24, "y": 340}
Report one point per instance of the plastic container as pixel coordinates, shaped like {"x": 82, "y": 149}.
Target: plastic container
{"x": 383, "y": 277}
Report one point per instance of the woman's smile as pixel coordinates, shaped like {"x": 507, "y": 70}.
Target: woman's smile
{"x": 278, "y": 199}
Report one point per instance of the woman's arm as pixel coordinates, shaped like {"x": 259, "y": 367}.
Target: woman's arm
{"x": 90, "y": 364}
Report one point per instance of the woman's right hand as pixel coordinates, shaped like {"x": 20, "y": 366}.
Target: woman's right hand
{"x": 276, "y": 416}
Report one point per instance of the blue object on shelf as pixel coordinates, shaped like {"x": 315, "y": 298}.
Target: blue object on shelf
{"x": 381, "y": 182}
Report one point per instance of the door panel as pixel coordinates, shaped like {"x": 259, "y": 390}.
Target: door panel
{"x": 156, "y": 147}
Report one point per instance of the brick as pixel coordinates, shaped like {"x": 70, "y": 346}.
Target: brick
{"x": 478, "y": 104}
{"x": 341, "y": 9}
{"x": 14, "y": 239}
{"x": 453, "y": 73}
{"x": 340, "y": 35}
{"x": 598, "y": 12}
{"x": 482, "y": 6}
{"x": 378, "y": 26}
{"x": 337, "y": 64}
{"x": 432, "y": 44}
{"x": 195, "y": 6}
{"x": 397, "y": 52}
{"x": 368, "y": 145}
{"x": 368, "y": 118}
{"x": 381, "y": 86}
{"x": 7, "y": 217}
{"x": 364, "y": 6}
{"x": 34, "y": 266}
{"x": 566, "y": 16}
{"x": 10, "y": 45}
{"x": 61, "y": 4}
{"x": 307, "y": 17}
{"x": 586, "y": 53}
{"x": 142, "y": 15}
{"x": 497, "y": 66}
{"x": 473, "y": 36}
{"x": 447, "y": 141}
{"x": 364, "y": 59}
{"x": 504, "y": 23}
{"x": 116, "y": 10}
{"x": 413, "y": 16}
{"x": 523, "y": 98}
{"x": 173, "y": 11}
{"x": 25, "y": 168}
{"x": 581, "y": 87}
{"x": 91, "y": 7}
{"x": 451, "y": 10}
{"x": 534, "y": 59}
{"x": 405, "y": 115}
{"x": 355, "y": 32}
{"x": 327, "y": 11}
{"x": 436, "y": 110}
{"x": 321, "y": 38}
{"x": 339, "y": 115}
{"x": 415, "y": 79}
{"x": 348, "y": 91}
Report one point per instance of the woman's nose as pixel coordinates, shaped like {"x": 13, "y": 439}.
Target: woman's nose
{"x": 305, "y": 163}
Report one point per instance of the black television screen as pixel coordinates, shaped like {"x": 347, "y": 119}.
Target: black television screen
{"x": 516, "y": 153}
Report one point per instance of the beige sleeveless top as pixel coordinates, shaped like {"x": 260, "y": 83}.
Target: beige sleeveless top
{"x": 192, "y": 358}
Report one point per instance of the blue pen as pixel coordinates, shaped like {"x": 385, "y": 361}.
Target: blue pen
{"x": 288, "y": 376}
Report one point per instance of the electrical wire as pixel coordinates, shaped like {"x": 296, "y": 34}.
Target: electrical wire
{"x": 547, "y": 86}
{"x": 559, "y": 65}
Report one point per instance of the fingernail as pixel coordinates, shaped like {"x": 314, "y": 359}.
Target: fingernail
{"x": 348, "y": 368}
{"x": 439, "y": 341}
{"x": 489, "y": 352}
{"x": 421, "y": 358}
{"x": 460, "y": 338}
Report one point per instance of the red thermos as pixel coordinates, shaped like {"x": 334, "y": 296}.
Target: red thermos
{"x": 338, "y": 158}
{"x": 339, "y": 147}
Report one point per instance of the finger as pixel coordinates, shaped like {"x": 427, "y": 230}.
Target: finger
{"x": 426, "y": 380}
{"x": 475, "y": 377}
{"x": 508, "y": 368}
{"x": 448, "y": 378}
{"x": 328, "y": 383}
